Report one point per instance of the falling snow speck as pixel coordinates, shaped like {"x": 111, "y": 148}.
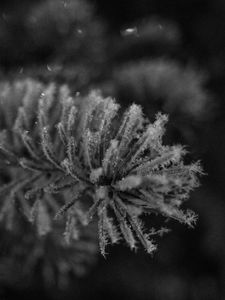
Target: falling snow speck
{"x": 49, "y": 68}
{"x": 130, "y": 31}
{"x": 79, "y": 31}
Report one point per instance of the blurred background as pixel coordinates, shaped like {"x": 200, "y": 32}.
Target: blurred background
{"x": 168, "y": 56}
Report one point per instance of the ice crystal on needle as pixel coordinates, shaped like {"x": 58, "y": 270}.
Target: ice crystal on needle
{"x": 81, "y": 155}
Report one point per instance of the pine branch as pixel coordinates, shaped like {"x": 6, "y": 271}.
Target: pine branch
{"x": 112, "y": 170}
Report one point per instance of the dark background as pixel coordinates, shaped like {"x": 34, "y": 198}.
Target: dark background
{"x": 186, "y": 34}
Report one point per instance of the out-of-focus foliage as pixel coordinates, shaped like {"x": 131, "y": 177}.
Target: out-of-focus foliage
{"x": 165, "y": 85}
{"x": 148, "y": 37}
{"x": 25, "y": 256}
{"x": 148, "y": 69}
{"x": 54, "y": 39}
